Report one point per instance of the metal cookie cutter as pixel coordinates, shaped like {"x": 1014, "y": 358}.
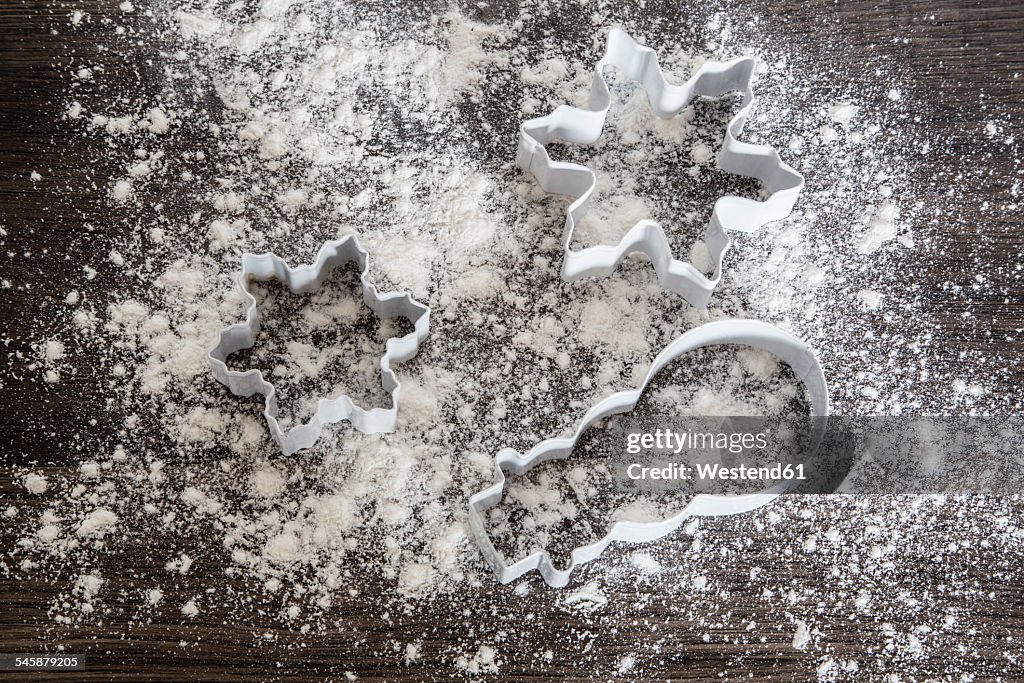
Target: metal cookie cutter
{"x": 749, "y": 332}
{"x": 583, "y": 126}
{"x": 309, "y": 278}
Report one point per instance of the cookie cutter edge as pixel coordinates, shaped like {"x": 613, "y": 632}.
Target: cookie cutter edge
{"x": 584, "y": 126}
{"x": 752, "y": 333}
{"x": 310, "y": 278}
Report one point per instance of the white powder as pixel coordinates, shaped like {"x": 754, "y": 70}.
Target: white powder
{"x": 268, "y": 482}
{"x": 282, "y": 549}
{"x": 53, "y": 351}
{"x": 588, "y": 598}
{"x": 881, "y": 227}
{"x": 157, "y": 121}
{"x": 189, "y": 609}
{"x": 481, "y": 662}
{"x": 35, "y": 484}
{"x": 645, "y": 563}
{"x": 802, "y": 637}
{"x": 88, "y": 585}
{"x": 197, "y": 24}
{"x": 96, "y": 523}
{"x": 415, "y": 578}
{"x": 398, "y": 130}
{"x": 201, "y": 500}
{"x": 121, "y": 191}
{"x": 871, "y": 298}
{"x": 843, "y": 112}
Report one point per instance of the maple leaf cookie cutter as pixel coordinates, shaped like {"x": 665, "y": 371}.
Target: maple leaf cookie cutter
{"x": 756, "y": 334}
{"x": 584, "y": 126}
{"x": 310, "y": 278}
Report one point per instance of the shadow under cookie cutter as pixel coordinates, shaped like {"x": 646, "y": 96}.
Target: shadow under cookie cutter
{"x": 583, "y": 126}
{"x": 752, "y": 333}
{"x": 310, "y": 278}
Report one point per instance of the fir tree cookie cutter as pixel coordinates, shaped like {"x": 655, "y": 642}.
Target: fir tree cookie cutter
{"x": 759, "y": 335}
{"x": 310, "y": 278}
{"x": 583, "y": 126}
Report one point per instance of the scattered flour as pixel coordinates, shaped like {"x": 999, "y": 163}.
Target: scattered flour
{"x": 189, "y": 609}
{"x": 482, "y": 662}
{"x": 802, "y": 637}
{"x": 35, "y": 484}
{"x": 326, "y": 124}
{"x": 645, "y": 563}
{"x": 96, "y": 523}
{"x": 587, "y": 598}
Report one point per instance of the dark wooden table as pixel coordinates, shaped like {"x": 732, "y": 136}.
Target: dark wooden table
{"x": 958, "y": 51}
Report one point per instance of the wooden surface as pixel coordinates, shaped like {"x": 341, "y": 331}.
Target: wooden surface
{"x": 959, "y": 49}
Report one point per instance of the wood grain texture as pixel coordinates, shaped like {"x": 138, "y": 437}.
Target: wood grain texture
{"x": 958, "y": 51}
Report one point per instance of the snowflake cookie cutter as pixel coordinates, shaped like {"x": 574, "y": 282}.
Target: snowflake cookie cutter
{"x": 310, "y": 278}
{"x": 759, "y": 335}
{"x": 583, "y": 126}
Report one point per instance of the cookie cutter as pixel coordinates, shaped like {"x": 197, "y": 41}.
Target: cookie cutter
{"x": 753, "y": 333}
{"x": 309, "y": 278}
{"x": 583, "y": 126}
